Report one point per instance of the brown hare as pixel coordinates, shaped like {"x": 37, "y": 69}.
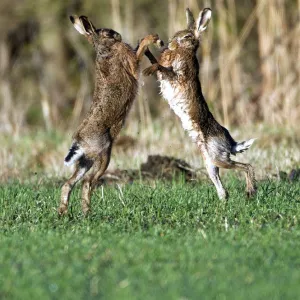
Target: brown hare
{"x": 178, "y": 75}
{"x": 116, "y": 84}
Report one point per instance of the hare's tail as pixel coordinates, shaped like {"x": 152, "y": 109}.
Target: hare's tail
{"x": 74, "y": 154}
{"x": 242, "y": 146}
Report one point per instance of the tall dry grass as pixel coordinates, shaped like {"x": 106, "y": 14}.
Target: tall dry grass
{"x": 249, "y": 59}
{"x": 250, "y": 75}
{"x": 279, "y": 66}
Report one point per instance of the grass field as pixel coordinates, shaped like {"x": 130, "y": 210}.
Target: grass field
{"x": 165, "y": 241}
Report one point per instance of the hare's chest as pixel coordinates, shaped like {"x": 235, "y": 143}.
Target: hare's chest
{"x": 173, "y": 90}
{"x": 179, "y": 104}
{"x": 169, "y": 90}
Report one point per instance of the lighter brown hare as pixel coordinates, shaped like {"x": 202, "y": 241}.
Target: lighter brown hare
{"x": 178, "y": 75}
{"x": 116, "y": 85}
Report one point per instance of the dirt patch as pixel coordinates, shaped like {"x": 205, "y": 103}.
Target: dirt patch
{"x": 165, "y": 167}
{"x": 156, "y": 167}
{"x": 293, "y": 175}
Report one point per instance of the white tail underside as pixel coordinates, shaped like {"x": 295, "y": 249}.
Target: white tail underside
{"x": 243, "y": 146}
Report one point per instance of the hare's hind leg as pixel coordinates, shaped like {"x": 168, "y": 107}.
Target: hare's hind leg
{"x": 249, "y": 173}
{"x": 213, "y": 173}
{"x": 250, "y": 177}
{"x": 90, "y": 182}
{"x": 82, "y": 166}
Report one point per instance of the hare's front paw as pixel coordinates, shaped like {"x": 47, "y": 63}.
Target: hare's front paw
{"x": 150, "y": 70}
{"x": 157, "y": 41}
{"x": 150, "y": 39}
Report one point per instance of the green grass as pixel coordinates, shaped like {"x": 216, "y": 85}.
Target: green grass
{"x": 171, "y": 241}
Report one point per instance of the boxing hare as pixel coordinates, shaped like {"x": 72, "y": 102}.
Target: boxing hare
{"x": 116, "y": 84}
{"x": 178, "y": 75}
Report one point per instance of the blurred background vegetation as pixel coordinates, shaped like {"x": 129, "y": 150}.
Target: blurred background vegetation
{"x": 249, "y": 56}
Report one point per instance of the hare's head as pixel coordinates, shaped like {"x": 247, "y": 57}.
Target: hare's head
{"x": 189, "y": 38}
{"x": 102, "y": 36}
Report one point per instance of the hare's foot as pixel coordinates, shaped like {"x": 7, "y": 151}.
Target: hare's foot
{"x": 86, "y": 208}
{"x": 222, "y": 194}
{"x": 251, "y": 192}
{"x": 62, "y": 209}
{"x": 150, "y": 39}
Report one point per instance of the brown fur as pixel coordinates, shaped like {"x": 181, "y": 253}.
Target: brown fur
{"x": 116, "y": 84}
{"x": 178, "y": 74}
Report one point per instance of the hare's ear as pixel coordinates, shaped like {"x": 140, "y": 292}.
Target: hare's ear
{"x": 203, "y": 20}
{"x": 83, "y": 26}
{"x": 190, "y": 19}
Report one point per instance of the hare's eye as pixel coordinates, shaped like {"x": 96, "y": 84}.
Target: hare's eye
{"x": 187, "y": 36}
{"x": 117, "y": 37}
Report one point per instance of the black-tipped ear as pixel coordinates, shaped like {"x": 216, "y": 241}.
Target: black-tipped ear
{"x": 87, "y": 24}
{"x": 203, "y": 20}
{"x": 190, "y": 19}
{"x": 83, "y": 26}
{"x": 77, "y": 23}
{"x": 72, "y": 19}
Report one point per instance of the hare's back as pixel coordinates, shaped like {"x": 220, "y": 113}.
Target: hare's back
{"x": 127, "y": 60}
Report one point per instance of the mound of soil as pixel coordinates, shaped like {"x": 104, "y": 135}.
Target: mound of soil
{"x": 165, "y": 167}
{"x": 156, "y": 167}
{"x": 293, "y": 175}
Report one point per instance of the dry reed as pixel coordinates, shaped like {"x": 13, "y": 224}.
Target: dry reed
{"x": 250, "y": 71}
